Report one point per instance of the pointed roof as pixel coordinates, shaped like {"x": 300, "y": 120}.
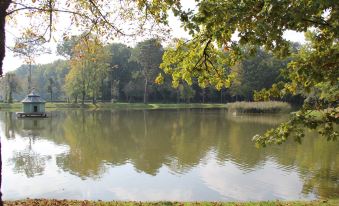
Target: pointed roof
{"x": 33, "y": 97}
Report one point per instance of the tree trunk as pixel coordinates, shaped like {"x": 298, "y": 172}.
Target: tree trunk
{"x": 4, "y": 4}
{"x": 203, "y": 95}
{"x": 145, "y": 91}
{"x": 83, "y": 97}
{"x": 51, "y": 96}
{"x": 178, "y": 96}
{"x": 102, "y": 91}
{"x": 93, "y": 99}
{"x": 30, "y": 78}
{"x": 221, "y": 96}
{"x": 1, "y": 204}
{"x": 10, "y": 98}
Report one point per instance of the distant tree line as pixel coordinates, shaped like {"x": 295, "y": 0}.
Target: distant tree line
{"x": 95, "y": 72}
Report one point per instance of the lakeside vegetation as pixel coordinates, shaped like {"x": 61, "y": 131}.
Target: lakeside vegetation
{"x": 45, "y": 202}
{"x": 259, "y": 107}
{"x": 122, "y": 74}
{"x": 239, "y": 107}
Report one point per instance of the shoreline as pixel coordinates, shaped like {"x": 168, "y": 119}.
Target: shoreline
{"x": 251, "y": 107}
{"x": 52, "y": 202}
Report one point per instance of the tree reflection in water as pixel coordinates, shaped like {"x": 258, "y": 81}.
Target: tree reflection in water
{"x": 177, "y": 139}
{"x": 27, "y": 161}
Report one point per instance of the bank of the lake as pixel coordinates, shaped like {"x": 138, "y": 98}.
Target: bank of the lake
{"x": 259, "y": 107}
{"x": 46, "y": 202}
{"x": 243, "y": 107}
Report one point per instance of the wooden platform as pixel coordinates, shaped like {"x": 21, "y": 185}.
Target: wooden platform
{"x": 31, "y": 114}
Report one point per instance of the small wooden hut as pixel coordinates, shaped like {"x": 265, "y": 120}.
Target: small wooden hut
{"x": 33, "y": 106}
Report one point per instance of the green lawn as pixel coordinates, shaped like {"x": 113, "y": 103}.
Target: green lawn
{"x": 41, "y": 202}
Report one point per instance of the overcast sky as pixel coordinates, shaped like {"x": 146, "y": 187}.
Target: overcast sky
{"x": 11, "y": 62}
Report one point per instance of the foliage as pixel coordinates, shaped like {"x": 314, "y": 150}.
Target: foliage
{"x": 107, "y": 19}
{"x": 50, "y": 88}
{"x": 199, "y": 59}
{"x": 65, "y": 48}
{"x": 313, "y": 73}
{"x": 212, "y": 52}
{"x": 89, "y": 66}
{"x": 120, "y": 71}
{"x": 313, "y": 68}
{"x": 256, "y": 73}
{"x": 28, "y": 50}
{"x": 40, "y": 79}
{"x": 186, "y": 92}
{"x": 9, "y": 85}
{"x": 124, "y": 78}
{"x": 148, "y": 55}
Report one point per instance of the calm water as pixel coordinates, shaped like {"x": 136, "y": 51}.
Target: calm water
{"x": 160, "y": 155}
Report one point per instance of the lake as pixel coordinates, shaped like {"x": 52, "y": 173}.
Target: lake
{"x": 183, "y": 155}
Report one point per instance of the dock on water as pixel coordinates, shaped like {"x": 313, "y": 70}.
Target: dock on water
{"x": 31, "y": 114}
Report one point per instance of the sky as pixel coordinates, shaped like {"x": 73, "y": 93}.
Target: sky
{"x": 12, "y": 62}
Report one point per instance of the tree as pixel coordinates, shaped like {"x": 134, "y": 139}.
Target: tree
{"x": 262, "y": 24}
{"x": 3, "y": 13}
{"x": 9, "y": 85}
{"x": 186, "y": 92}
{"x": 28, "y": 51}
{"x": 256, "y": 73}
{"x": 89, "y": 66}
{"x": 120, "y": 69}
{"x": 50, "y": 87}
{"x": 91, "y": 16}
{"x": 148, "y": 55}
{"x": 41, "y": 74}
{"x": 65, "y": 48}
{"x": 106, "y": 18}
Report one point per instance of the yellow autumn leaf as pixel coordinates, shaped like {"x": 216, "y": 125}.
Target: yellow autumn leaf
{"x": 159, "y": 79}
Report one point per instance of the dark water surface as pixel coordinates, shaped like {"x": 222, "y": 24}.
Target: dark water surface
{"x": 160, "y": 155}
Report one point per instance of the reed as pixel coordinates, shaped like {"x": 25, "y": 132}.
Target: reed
{"x": 259, "y": 107}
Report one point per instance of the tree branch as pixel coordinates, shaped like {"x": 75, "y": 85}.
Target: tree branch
{"x": 105, "y": 19}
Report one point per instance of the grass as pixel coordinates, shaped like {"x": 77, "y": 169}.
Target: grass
{"x": 159, "y": 106}
{"x": 259, "y": 107}
{"x": 241, "y": 107}
{"x": 17, "y": 106}
{"x": 45, "y": 202}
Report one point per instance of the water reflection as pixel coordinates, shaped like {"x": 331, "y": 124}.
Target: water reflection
{"x": 210, "y": 149}
{"x": 29, "y": 162}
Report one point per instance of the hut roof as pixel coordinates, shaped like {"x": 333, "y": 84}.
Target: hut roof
{"x": 33, "y": 98}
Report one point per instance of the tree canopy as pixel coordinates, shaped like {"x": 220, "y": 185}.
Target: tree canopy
{"x": 37, "y": 21}
{"x": 148, "y": 55}
{"x": 313, "y": 70}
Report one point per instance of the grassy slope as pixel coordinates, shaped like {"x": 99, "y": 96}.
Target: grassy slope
{"x": 40, "y": 202}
